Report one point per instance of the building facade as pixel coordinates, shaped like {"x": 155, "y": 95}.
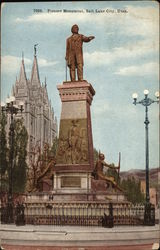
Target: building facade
{"x": 38, "y": 114}
{"x": 152, "y": 193}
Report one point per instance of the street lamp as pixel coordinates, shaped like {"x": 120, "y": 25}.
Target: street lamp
{"x": 146, "y": 102}
{"x": 12, "y": 109}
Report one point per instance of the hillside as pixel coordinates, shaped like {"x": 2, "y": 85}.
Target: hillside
{"x": 139, "y": 174}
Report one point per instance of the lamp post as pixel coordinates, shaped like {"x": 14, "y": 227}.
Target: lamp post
{"x": 146, "y": 102}
{"x": 11, "y": 109}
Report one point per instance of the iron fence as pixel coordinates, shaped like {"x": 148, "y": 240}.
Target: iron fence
{"x": 80, "y": 214}
{"x": 87, "y": 214}
{"x": 14, "y": 214}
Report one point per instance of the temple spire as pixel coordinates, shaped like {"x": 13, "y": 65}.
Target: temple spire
{"x": 45, "y": 82}
{"x": 35, "y": 49}
{"x": 35, "y": 80}
{"x": 22, "y": 75}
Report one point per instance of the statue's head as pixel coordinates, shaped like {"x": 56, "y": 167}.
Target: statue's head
{"x": 75, "y": 29}
{"x": 101, "y": 156}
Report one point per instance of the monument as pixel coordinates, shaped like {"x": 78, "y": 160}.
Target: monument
{"x": 81, "y": 193}
{"x": 75, "y": 159}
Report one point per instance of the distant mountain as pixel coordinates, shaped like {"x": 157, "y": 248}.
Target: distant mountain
{"x": 140, "y": 174}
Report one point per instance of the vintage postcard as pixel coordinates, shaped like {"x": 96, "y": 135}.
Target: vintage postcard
{"x": 79, "y": 122}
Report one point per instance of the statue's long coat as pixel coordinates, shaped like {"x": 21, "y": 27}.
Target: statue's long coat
{"x": 74, "y": 50}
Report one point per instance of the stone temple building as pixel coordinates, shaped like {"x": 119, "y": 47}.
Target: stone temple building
{"x": 38, "y": 114}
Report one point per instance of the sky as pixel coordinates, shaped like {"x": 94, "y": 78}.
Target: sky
{"x": 121, "y": 60}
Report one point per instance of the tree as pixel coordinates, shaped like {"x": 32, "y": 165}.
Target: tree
{"x": 132, "y": 190}
{"x": 3, "y": 151}
{"x": 20, "y": 154}
{"x": 20, "y": 138}
{"x": 41, "y": 168}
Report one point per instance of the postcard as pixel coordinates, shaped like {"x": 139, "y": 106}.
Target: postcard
{"x": 84, "y": 76}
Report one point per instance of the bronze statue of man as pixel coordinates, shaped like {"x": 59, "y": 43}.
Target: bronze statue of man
{"x": 99, "y": 171}
{"x": 74, "y": 52}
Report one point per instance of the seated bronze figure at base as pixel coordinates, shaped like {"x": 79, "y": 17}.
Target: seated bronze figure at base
{"x": 98, "y": 171}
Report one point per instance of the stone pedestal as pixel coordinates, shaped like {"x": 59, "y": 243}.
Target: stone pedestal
{"x": 74, "y": 159}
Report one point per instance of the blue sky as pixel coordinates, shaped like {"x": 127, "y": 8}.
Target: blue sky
{"x": 121, "y": 60}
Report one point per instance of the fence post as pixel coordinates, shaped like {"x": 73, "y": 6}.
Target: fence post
{"x": 149, "y": 212}
{"x": 108, "y": 221}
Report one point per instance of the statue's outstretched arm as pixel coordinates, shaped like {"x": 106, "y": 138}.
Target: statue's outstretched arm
{"x": 87, "y": 39}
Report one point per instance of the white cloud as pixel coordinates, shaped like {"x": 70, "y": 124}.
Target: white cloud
{"x": 139, "y": 70}
{"x": 98, "y": 58}
{"x": 140, "y": 49}
{"x": 55, "y": 18}
{"x": 11, "y": 64}
{"x": 142, "y": 21}
{"x": 44, "y": 63}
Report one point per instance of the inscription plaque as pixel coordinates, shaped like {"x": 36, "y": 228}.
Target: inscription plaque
{"x": 70, "y": 181}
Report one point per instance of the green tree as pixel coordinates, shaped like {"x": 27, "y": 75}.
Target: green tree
{"x": 3, "y": 151}
{"x": 20, "y": 154}
{"x": 20, "y": 138}
{"x": 132, "y": 190}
